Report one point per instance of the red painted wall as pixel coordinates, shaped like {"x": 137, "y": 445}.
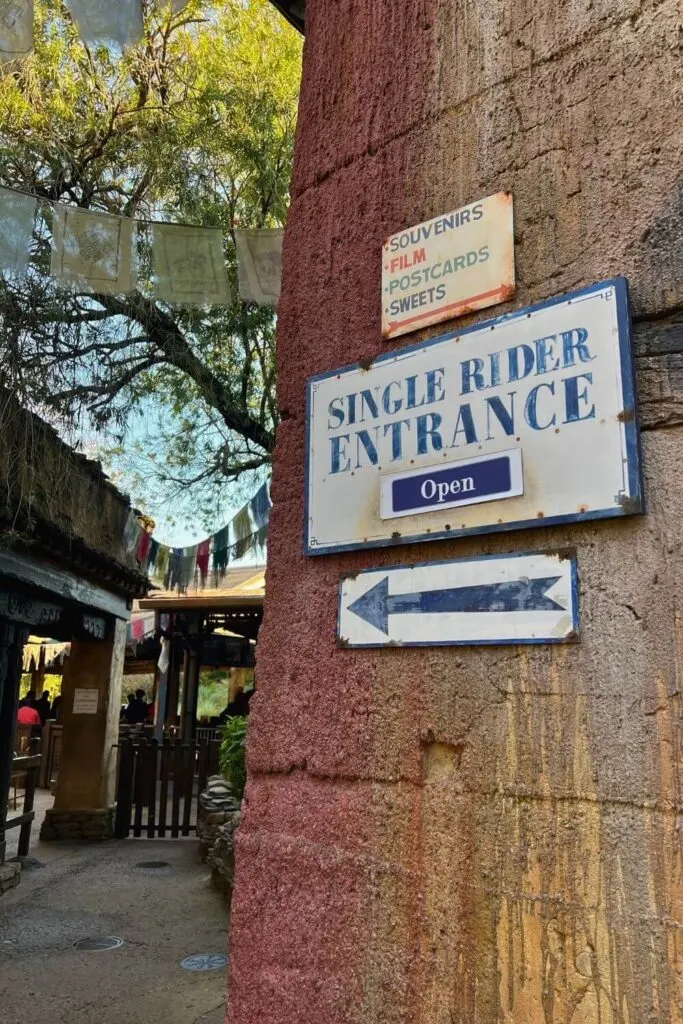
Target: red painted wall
{"x": 460, "y": 835}
{"x": 320, "y": 753}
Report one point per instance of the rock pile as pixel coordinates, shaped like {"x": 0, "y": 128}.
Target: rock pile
{"x": 217, "y": 819}
{"x": 10, "y": 872}
{"x": 221, "y": 857}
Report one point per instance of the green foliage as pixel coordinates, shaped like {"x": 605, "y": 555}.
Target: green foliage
{"x": 53, "y": 683}
{"x": 195, "y": 125}
{"x": 213, "y": 693}
{"x": 232, "y": 758}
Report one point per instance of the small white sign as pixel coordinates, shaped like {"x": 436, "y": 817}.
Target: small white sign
{"x": 448, "y": 266}
{"x": 396, "y": 449}
{"x": 494, "y": 599}
{"x": 85, "y": 701}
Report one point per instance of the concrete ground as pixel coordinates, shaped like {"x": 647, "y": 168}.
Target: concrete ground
{"x": 163, "y": 914}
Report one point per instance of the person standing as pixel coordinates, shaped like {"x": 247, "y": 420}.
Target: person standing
{"x": 42, "y": 706}
{"x": 136, "y": 712}
{"x": 56, "y": 708}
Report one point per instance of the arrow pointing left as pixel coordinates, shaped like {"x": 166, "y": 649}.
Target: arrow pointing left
{"x": 463, "y": 601}
{"x": 377, "y": 604}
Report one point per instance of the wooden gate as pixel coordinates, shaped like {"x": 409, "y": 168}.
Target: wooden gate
{"x": 158, "y": 786}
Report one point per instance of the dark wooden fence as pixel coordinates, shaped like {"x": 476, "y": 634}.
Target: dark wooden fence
{"x": 158, "y": 786}
{"x": 25, "y": 769}
{"x": 51, "y": 752}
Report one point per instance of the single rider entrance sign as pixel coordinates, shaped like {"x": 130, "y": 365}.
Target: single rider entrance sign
{"x": 525, "y": 420}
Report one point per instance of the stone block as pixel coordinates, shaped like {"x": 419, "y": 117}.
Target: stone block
{"x": 90, "y": 825}
{"x": 10, "y": 873}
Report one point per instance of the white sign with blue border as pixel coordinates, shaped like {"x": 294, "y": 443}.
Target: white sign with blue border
{"x": 494, "y": 599}
{"x": 525, "y": 420}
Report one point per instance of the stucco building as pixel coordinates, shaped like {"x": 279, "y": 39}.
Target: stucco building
{"x": 463, "y": 835}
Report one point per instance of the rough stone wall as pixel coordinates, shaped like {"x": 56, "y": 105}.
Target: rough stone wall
{"x": 468, "y": 836}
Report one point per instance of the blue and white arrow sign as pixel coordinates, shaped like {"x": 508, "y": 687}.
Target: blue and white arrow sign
{"x": 496, "y": 599}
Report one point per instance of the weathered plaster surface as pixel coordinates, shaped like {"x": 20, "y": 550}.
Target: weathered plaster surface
{"x": 54, "y": 500}
{"x": 468, "y": 836}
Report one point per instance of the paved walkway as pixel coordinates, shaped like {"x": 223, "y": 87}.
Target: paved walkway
{"x": 163, "y": 914}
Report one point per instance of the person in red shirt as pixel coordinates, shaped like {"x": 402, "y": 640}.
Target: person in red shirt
{"x": 27, "y": 712}
{"x": 27, "y": 715}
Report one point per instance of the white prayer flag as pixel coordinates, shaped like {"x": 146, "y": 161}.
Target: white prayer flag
{"x": 17, "y": 216}
{"x": 119, "y": 21}
{"x": 92, "y": 251}
{"x": 16, "y": 28}
{"x": 189, "y": 266}
{"x": 259, "y": 265}
{"x": 177, "y": 5}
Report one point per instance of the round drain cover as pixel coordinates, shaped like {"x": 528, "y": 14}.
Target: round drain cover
{"x": 204, "y": 962}
{"x": 152, "y": 865}
{"x": 103, "y": 942}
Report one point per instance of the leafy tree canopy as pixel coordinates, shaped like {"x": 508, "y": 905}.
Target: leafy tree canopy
{"x": 194, "y": 125}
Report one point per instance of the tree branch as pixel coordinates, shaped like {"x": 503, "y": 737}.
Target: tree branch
{"x": 163, "y": 332}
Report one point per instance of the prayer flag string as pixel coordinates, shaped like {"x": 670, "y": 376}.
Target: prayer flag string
{"x": 94, "y": 252}
{"x": 181, "y": 568}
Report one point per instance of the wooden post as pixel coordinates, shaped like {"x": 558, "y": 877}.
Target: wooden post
{"x": 163, "y": 794}
{"x": 139, "y": 787}
{"x": 193, "y": 657}
{"x": 39, "y": 679}
{"x": 91, "y": 701}
{"x": 203, "y": 764}
{"x": 177, "y": 787}
{"x": 171, "y": 710}
{"x": 188, "y": 785}
{"x": 12, "y": 640}
{"x": 124, "y": 796}
{"x": 151, "y": 769}
{"x": 161, "y": 684}
{"x": 29, "y": 794}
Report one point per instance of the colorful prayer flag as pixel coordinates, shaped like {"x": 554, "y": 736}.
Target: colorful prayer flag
{"x": 165, "y": 655}
{"x": 131, "y": 533}
{"x": 162, "y": 561}
{"x": 153, "y": 553}
{"x": 17, "y": 216}
{"x": 189, "y": 266}
{"x": 144, "y": 546}
{"x": 92, "y": 251}
{"x": 260, "y": 506}
{"x": 174, "y": 567}
{"x": 203, "y": 552}
{"x": 117, "y": 21}
{"x": 16, "y": 29}
{"x": 188, "y": 565}
{"x": 221, "y": 552}
{"x": 241, "y": 525}
{"x": 259, "y": 265}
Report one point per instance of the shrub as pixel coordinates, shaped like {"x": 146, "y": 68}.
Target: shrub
{"x": 232, "y": 758}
